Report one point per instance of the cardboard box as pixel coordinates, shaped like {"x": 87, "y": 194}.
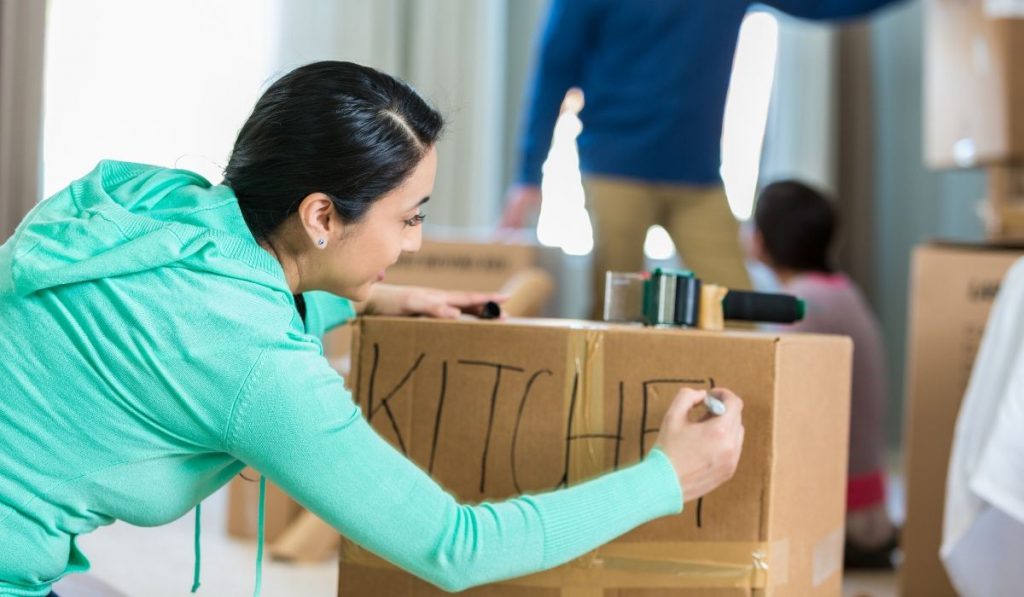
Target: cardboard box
{"x": 495, "y": 409}
{"x": 243, "y": 508}
{"x": 464, "y": 265}
{"x": 973, "y": 86}
{"x": 951, "y": 293}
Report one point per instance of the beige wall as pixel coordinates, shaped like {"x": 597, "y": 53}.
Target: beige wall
{"x": 22, "y": 26}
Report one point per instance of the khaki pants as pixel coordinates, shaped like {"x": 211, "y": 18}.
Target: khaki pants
{"x": 698, "y": 219}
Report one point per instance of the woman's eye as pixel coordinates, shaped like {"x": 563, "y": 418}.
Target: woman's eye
{"x": 416, "y": 220}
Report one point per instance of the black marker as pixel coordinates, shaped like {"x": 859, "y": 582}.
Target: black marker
{"x": 490, "y": 310}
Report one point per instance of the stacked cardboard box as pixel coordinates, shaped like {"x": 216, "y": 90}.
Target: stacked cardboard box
{"x": 952, "y": 288}
{"x": 974, "y": 101}
{"x": 463, "y": 265}
{"x": 974, "y": 116}
{"x": 974, "y": 85}
{"x": 493, "y": 410}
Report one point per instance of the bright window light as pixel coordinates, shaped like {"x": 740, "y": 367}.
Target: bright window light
{"x": 165, "y": 82}
{"x": 563, "y": 218}
{"x": 746, "y": 110}
{"x": 658, "y": 245}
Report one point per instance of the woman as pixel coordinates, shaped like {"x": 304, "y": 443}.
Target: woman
{"x": 159, "y": 333}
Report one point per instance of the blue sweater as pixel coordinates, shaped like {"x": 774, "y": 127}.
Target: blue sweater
{"x": 654, "y": 74}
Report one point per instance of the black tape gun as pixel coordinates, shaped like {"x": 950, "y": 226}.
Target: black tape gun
{"x": 667, "y": 297}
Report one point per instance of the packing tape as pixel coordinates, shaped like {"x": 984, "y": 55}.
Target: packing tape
{"x": 585, "y": 404}
{"x": 712, "y": 316}
{"x": 642, "y": 565}
{"x": 827, "y": 557}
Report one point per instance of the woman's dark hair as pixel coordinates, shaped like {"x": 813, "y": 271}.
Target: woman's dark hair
{"x": 796, "y": 223}
{"x": 338, "y": 128}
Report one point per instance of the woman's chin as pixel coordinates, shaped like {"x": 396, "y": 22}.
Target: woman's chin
{"x": 361, "y": 293}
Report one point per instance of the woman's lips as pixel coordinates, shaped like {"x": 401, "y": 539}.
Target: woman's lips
{"x": 380, "y": 276}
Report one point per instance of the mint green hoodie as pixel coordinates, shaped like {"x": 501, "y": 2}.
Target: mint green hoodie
{"x": 150, "y": 348}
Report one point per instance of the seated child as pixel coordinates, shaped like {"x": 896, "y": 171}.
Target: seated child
{"x": 793, "y": 232}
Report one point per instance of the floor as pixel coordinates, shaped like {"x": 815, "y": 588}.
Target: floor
{"x": 158, "y": 562}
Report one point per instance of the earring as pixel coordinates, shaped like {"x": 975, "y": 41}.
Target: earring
{"x": 321, "y": 243}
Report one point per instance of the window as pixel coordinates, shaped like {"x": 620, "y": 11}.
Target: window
{"x": 563, "y": 218}
{"x": 161, "y": 82}
{"x": 746, "y": 110}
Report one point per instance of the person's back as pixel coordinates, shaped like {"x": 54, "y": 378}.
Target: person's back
{"x": 654, "y": 73}
{"x": 794, "y": 228}
{"x": 654, "y": 78}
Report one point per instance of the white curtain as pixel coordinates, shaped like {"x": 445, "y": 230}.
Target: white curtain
{"x": 800, "y": 136}
{"x": 457, "y": 53}
{"x": 22, "y": 29}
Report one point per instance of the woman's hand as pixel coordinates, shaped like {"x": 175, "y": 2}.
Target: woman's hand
{"x": 704, "y": 452}
{"x": 389, "y": 299}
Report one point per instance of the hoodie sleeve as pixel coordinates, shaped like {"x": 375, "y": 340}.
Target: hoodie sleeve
{"x": 326, "y": 311}
{"x": 296, "y": 423}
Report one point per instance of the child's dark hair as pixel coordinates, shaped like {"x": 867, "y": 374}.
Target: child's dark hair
{"x": 338, "y": 128}
{"x": 797, "y": 224}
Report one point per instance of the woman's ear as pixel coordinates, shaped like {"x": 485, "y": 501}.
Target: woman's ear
{"x": 320, "y": 220}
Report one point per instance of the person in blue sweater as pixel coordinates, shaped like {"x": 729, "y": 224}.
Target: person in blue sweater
{"x": 654, "y": 75}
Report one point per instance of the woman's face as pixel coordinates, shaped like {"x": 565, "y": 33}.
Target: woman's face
{"x": 357, "y": 259}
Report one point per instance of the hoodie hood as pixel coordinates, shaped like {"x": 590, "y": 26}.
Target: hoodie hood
{"x": 125, "y": 218}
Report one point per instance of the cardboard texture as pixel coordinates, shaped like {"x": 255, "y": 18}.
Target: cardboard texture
{"x": 463, "y": 265}
{"x": 973, "y": 86}
{"x": 307, "y": 538}
{"x": 952, "y": 289}
{"x": 1004, "y": 213}
{"x": 243, "y": 508}
{"x": 495, "y": 409}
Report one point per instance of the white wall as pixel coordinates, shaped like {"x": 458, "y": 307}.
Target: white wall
{"x": 167, "y": 82}
{"x": 177, "y": 94}
{"x": 799, "y": 142}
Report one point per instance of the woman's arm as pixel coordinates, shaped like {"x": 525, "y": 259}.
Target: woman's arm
{"x": 325, "y": 311}
{"x": 389, "y": 299}
{"x": 295, "y": 422}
